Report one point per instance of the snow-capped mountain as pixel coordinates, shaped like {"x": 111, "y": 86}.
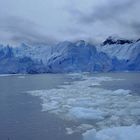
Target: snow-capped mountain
{"x": 126, "y": 51}
{"x": 112, "y": 55}
{"x": 120, "y": 48}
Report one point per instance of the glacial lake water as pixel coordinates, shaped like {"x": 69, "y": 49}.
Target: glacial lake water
{"x": 63, "y": 106}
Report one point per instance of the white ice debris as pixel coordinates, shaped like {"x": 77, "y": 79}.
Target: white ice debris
{"x": 116, "y": 133}
{"x": 69, "y": 131}
{"x": 86, "y": 113}
{"x": 86, "y": 101}
{"x": 77, "y": 129}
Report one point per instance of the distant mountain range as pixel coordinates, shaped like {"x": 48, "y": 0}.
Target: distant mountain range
{"x": 113, "y": 54}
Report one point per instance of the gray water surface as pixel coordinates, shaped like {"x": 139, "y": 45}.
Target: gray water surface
{"x": 21, "y": 115}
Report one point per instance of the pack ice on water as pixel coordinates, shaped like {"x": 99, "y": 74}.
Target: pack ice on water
{"x": 86, "y": 101}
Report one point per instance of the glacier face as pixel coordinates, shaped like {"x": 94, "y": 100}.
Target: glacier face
{"x": 111, "y": 55}
{"x": 11, "y": 63}
{"x": 79, "y": 56}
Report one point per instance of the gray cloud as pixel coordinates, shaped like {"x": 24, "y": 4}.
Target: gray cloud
{"x": 103, "y": 12}
{"x": 23, "y": 30}
{"x": 45, "y": 21}
{"x": 136, "y": 27}
{"x": 120, "y": 15}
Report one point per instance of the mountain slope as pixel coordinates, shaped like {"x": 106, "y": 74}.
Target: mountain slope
{"x": 120, "y": 48}
{"x": 125, "y": 51}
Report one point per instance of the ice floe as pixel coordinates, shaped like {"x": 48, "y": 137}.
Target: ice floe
{"x": 86, "y": 113}
{"x": 85, "y": 100}
{"x": 77, "y": 129}
{"x": 21, "y": 77}
{"x": 116, "y": 133}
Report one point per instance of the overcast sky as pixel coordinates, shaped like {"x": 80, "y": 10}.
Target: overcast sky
{"x": 41, "y": 21}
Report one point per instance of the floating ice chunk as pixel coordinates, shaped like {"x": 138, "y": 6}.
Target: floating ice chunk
{"x": 51, "y": 106}
{"x": 5, "y": 75}
{"x": 90, "y": 135}
{"x": 95, "y": 84}
{"x": 101, "y": 79}
{"x": 116, "y": 133}
{"x": 80, "y": 102}
{"x": 21, "y": 77}
{"x": 122, "y": 92}
{"x": 86, "y": 113}
{"x": 78, "y": 129}
{"x": 69, "y": 131}
{"x": 84, "y": 127}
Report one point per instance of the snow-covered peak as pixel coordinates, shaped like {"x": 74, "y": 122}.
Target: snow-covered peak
{"x": 122, "y": 49}
{"x": 64, "y": 43}
{"x": 81, "y": 43}
{"x": 116, "y": 40}
{"x": 138, "y": 40}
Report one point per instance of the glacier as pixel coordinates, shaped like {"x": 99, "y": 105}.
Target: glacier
{"x": 112, "y": 55}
